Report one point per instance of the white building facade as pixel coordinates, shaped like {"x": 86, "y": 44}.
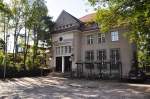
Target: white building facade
{"x": 80, "y": 41}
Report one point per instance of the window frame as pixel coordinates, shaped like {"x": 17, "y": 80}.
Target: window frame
{"x": 58, "y": 49}
{"x": 90, "y": 39}
{"x": 66, "y": 49}
{"x": 69, "y": 49}
{"x": 101, "y": 38}
{"x": 101, "y": 55}
{"x": 114, "y": 36}
{"x": 89, "y": 55}
{"x": 117, "y": 57}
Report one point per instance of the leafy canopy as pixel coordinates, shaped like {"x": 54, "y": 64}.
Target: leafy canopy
{"x": 132, "y": 14}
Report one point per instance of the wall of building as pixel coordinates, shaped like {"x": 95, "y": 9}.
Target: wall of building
{"x": 78, "y": 41}
{"x": 77, "y": 48}
{"x": 125, "y": 46}
{"x": 67, "y": 40}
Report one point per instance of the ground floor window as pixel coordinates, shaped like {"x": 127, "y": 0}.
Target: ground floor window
{"x": 115, "y": 54}
{"x": 89, "y": 55}
{"x": 101, "y": 55}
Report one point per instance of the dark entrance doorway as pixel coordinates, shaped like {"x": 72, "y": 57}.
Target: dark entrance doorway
{"x": 67, "y": 64}
{"x": 58, "y": 64}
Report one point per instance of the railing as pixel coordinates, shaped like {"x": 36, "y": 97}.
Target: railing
{"x": 98, "y": 70}
{"x": 145, "y": 66}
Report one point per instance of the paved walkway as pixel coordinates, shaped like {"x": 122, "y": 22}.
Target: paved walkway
{"x": 62, "y": 88}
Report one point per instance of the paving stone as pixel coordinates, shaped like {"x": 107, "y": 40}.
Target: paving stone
{"x": 62, "y": 88}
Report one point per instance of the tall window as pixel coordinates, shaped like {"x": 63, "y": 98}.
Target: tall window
{"x": 66, "y": 49}
{"x": 62, "y": 49}
{"x": 101, "y": 55}
{"x": 115, "y": 36}
{"x": 90, "y": 39}
{"x": 89, "y": 55}
{"x": 57, "y": 50}
{"x": 69, "y": 49}
{"x": 101, "y": 38}
{"x": 115, "y": 55}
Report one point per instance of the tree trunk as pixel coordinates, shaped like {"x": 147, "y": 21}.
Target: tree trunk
{"x": 14, "y": 48}
{"x": 25, "y": 47}
{"x": 34, "y": 46}
{"x": 4, "y": 49}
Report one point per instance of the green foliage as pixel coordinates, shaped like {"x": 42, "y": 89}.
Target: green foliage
{"x": 39, "y": 21}
{"x": 2, "y": 44}
{"x": 41, "y": 25}
{"x": 36, "y": 24}
{"x": 1, "y": 5}
{"x": 29, "y": 63}
{"x": 1, "y": 57}
{"x": 132, "y": 14}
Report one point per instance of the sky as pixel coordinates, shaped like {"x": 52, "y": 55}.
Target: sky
{"x": 77, "y": 8}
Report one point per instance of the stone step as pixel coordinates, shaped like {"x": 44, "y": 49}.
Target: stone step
{"x": 57, "y": 74}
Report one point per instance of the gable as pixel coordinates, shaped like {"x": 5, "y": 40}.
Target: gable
{"x": 65, "y": 20}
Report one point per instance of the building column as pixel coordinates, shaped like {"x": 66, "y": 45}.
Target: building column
{"x": 63, "y": 64}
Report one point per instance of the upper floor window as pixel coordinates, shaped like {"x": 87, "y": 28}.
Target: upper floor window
{"x": 63, "y": 50}
{"x": 101, "y": 38}
{"x": 89, "y": 55}
{"x": 66, "y": 49}
{"x": 90, "y": 39}
{"x": 101, "y": 55}
{"x": 57, "y": 50}
{"x": 115, "y": 36}
{"x": 69, "y": 49}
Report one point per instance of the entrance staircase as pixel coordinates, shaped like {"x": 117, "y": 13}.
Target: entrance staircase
{"x": 58, "y": 74}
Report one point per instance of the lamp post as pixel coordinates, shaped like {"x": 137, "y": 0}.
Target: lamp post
{"x": 71, "y": 59}
{"x": 5, "y": 59}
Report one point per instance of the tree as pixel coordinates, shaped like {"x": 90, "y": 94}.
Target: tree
{"x": 17, "y": 9}
{"x": 40, "y": 23}
{"x": 5, "y": 16}
{"x": 2, "y": 5}
{"x": 26, "y": 35}
{"x": 132, "y": 14}
{"x": 24, "y": 21}
{"x": 46, "y": 28}
{"x": 2, "y": 44}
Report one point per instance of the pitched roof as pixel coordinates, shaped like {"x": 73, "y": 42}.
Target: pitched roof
{"x": 67, "y": 22}
{"x": 63, "y": 11}
{"x": 78, "y": 20}
{"x": 88, "y": 18}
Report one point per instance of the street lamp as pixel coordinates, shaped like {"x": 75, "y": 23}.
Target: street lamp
{"x": 71, "y": 58}
{"x": 5, "y": 59}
